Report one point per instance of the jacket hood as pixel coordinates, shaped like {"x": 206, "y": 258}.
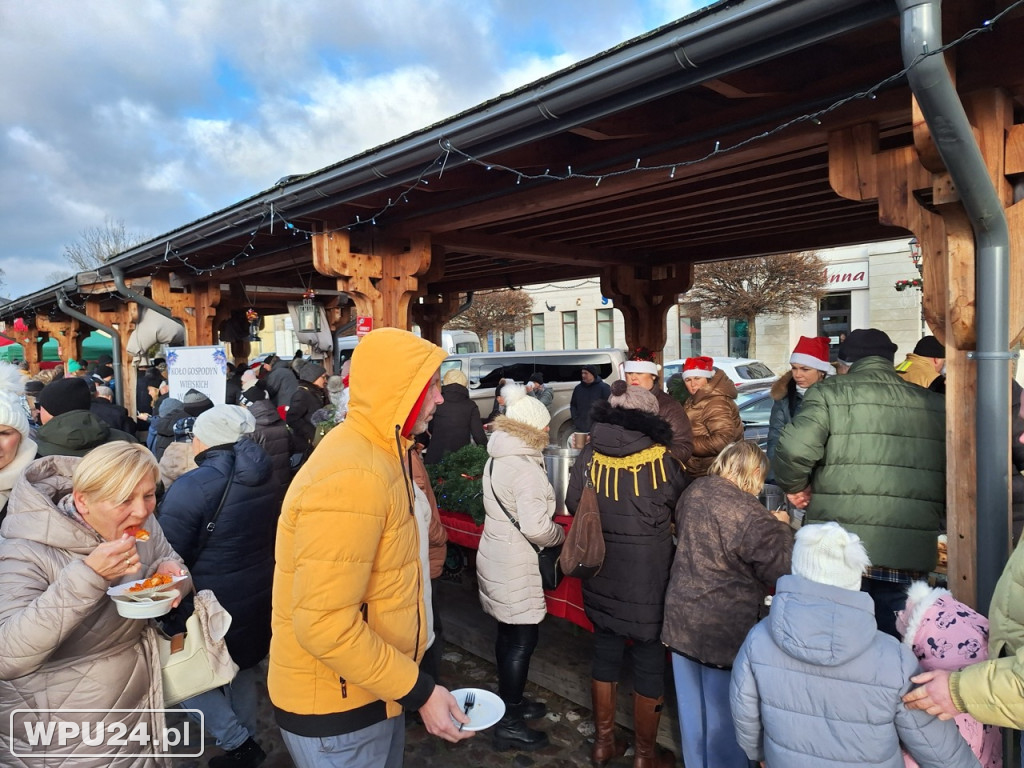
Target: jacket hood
{"x": 32, "y": 512}
{"x": 251, "y": 464}
{"x": 390, "y": 369}
{"x": 622, "y": 431}
{"x": 514, "y": 438}
{"x": 719, "y": 385}
{"x": 74, "y": 430}
{"x": 265, "y": 413}
{"x": 781, "y": 386}
{"x": 820, "y": 624}
{"x": 455, "y": 393}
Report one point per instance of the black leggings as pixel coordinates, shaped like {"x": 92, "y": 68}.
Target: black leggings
{"x": 513, "y": 649}
{"x": 648, "y": 662}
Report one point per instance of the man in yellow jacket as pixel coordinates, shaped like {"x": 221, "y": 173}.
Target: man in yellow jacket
{"x": 349, "y": 623}
{"x": 925, "y": 363}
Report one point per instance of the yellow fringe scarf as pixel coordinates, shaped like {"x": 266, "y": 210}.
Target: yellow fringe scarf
{"x": 603, "y": 468}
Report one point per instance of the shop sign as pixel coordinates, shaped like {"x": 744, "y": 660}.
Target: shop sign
{"x": 846, "y": 276}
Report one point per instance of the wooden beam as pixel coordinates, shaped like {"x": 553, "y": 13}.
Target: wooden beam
{"x": 492, "y": 245}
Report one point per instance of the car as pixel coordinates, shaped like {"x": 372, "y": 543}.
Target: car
{"x": 560, "y": 369}
{"x": 744, "y": 372}
{"x": 755, "y": 405}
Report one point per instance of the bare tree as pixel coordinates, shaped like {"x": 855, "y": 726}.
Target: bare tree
{"x": 97, "y": 245}
{"x": 505, "y": 311}
{"x": 743, "y": 289}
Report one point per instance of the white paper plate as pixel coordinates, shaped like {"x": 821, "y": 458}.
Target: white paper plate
{"x": 488, "y": 709}
{"x": 149, "y": 607}
{"x": 122, "y": 589}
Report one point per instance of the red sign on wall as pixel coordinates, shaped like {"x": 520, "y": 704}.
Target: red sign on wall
{"x": 363, "y": 325}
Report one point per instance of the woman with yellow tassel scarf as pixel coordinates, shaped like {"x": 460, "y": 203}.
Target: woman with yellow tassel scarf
{"x": 637, "y": 484}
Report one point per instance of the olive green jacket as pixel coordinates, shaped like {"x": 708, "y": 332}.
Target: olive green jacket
{"x": 991, "y": 691}
{"x": 873, "y": 450}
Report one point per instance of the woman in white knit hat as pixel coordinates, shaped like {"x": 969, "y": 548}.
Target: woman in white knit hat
{"x": 506, "y": 565}
{"x": 808, "y": 365}
{"x": 17, "y": 449}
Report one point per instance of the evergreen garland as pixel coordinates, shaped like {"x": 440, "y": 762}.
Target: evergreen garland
{"x": 457, "y": 481}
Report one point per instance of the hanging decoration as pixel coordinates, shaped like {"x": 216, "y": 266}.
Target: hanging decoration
{"x": 309, "y": 313}
{"x": 19, "y": 324}
{"x": 254, "y": 324}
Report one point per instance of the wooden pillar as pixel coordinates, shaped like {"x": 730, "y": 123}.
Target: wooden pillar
{"x": 859, "y": 171}
{"x": 431, "y": 313}
{"x": 382, "y": 283}
{"x": 644, "y": 296}
{"x": 68, "y": 334}
{"x": 196, "y": 309}
{"x": 122, "y": 318}
{"x": 31, "y": 344}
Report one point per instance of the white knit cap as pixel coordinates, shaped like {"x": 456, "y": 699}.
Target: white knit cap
{"x": 519, "y": 406}
{"x": 829, "y": 554}
{"x": 223, "y": 425}
{"x": 641, "y": 366}
{"x": 12, "y": 407}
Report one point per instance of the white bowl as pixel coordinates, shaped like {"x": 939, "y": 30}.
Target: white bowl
{"x": 148, "y": 607}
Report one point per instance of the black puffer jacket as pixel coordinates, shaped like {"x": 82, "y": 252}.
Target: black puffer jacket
{"x": 275, "y": 437}
{"x": 1017, "y": 461}
{"x": 627, "y": 596}
{"x": 237, "y": 562}
{"x": 306, "y": 400}
{"x": 455, "y": 422}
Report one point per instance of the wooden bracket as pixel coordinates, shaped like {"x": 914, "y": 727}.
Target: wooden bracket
{"x": 645, "y": 300}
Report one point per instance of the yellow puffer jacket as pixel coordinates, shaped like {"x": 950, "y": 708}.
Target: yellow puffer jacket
{"x": 349, "y": 625}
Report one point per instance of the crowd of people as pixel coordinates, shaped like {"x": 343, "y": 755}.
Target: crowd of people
{"x": 303, "y": 505}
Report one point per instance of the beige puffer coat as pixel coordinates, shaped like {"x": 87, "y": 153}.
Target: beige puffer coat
{"x": 63, "y": 643}
{"x": 715, "y": 421}
{"x": 506, "y": 564}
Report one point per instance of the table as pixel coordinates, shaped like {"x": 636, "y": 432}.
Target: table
{"x": 566, "y": 601}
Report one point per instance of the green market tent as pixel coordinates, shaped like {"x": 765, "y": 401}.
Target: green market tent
{"x": 95, "y": 344}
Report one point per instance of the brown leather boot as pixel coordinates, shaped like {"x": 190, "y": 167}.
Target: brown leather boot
{"x": 606, "y": 746}
{"x": 646, "y": 716}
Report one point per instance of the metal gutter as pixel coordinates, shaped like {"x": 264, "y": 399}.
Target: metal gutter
{"x": 931, "y": 83}
{"x": 718, "y": 39}
{"x": 70, "y": 311}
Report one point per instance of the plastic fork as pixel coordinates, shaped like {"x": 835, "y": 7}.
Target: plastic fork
{"x": 468, "y": 705}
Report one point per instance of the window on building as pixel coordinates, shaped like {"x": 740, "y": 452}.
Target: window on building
{"x": 569, "y": 336}
{"x": 537, "y": 330}
{"x": 508, "y": 342}
{"x": 834, "y": 319}
{"x": 605, "y": 328}
{"x": 689, "y": 331}
{"x": 739, "y": 338}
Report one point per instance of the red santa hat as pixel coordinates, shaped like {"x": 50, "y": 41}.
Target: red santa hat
{"x": 699, "y": 366}
{"x": 812, "y": 352}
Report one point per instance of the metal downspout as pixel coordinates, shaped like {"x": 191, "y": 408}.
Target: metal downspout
{"x": 115, "y": 336}
{"x": 951, "y": 131}
{"x": 138, "y": 298}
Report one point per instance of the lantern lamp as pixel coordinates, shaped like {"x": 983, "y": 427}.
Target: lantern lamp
{"x": 308, "y": 314}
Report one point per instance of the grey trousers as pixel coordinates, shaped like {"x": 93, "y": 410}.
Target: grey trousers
{"x": 377, "y": 746}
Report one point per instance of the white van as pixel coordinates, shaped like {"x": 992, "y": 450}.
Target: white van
{"x": 453, "y": 342}
{"x": 560, "y": 368}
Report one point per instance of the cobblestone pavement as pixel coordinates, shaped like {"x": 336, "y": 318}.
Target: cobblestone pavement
{"x": 568, "y": 725}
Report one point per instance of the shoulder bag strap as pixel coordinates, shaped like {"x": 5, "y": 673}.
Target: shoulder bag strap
{"x": 502, "y": 506}
{"x": 207, "y": 531}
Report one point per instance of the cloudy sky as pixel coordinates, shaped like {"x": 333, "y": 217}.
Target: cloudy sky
{"x": 158, "y": 112}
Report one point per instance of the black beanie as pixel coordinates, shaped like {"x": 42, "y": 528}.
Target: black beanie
{"x": 866, "y": 342}
{"x": 63, "y": 395}
{"x": 929, "y": 346}
{"x": 195, "y": 402}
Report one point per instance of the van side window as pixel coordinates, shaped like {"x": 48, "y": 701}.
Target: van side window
{"x": 449, "y": 365}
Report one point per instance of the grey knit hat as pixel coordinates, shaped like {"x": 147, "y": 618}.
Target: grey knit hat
{"x": 633, "y": 398}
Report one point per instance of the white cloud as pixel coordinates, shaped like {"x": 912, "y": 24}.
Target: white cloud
{"x": 157, "y": 112}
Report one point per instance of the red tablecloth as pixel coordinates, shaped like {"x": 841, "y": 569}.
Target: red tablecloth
{"x": 566, "y": 602}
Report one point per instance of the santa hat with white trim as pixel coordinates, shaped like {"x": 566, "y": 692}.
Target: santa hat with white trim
{"x": 699, "y": 366}
{"x": 812, "y": 352}
{"x": 641, "y": 360}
